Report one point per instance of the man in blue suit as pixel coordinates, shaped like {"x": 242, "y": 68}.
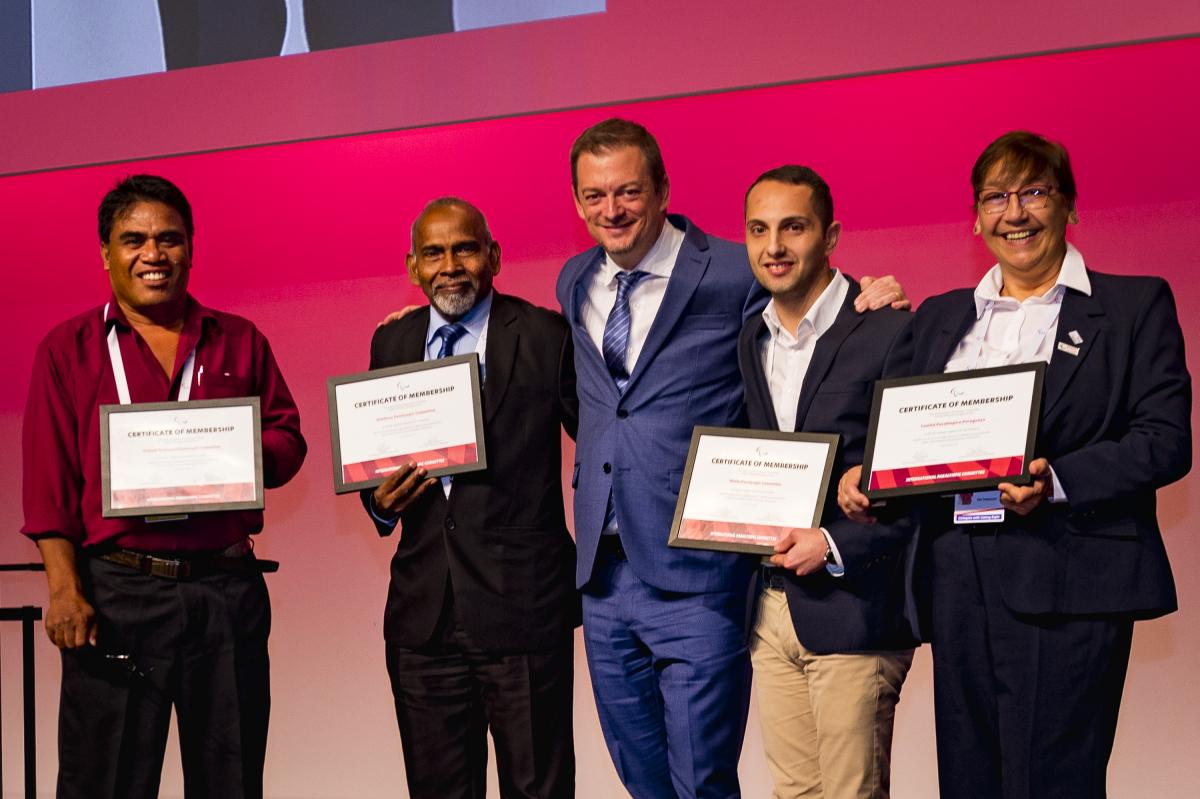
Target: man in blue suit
{"x": 655, "y": 311}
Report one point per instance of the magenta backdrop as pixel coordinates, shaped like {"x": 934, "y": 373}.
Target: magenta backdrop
{"x": 307, "y": 239}
{"x": 636, "y": 49}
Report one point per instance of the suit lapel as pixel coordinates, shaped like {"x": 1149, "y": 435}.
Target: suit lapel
{"x": 412, "y": 346}
{"x": 502, "y": 342}
{"x": 1082, "y": 315}
{"x": 753, "y": 356}
{"x": 690, "y": 265}
{"x": 584, "y": 346}
{"x": 946, "y": 339}
{"x": 826, "y": 350}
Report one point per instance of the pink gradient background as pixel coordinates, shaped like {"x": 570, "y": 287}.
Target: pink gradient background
{"x": 307, "y": 239}
{"x": 636, "y": 49}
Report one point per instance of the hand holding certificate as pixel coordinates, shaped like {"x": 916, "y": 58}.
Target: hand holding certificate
{"x": 945, "y": 433}
{"x": 428, "y": 413}
{"x": 161, "y": 458}
{"x": 744, "y": 490}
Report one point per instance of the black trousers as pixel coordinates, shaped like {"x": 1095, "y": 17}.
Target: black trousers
{"x": 197, "y": 645}
{"x": 1026, "y": 706}
{"x": 449, "y": 692}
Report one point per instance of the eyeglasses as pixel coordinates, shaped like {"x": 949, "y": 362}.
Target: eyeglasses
{"x": 1030, "y": 198}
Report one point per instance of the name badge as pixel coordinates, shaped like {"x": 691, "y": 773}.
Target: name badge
{"x": 978, "y": 507}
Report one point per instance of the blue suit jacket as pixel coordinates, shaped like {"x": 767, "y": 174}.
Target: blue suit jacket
{"x": 866, "y": 608}
{"x": 1115, "y": 426}
{"x": 637, "y": 443}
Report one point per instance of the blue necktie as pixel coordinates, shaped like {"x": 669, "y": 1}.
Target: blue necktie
{"x": 448, "y": 334}
{"x": 615, "y": 344}
{"x": 615, "y": 341}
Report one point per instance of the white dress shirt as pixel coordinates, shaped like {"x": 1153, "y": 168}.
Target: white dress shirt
{"x": 1008, "y": 331}
{"x": 644, "y": 299}
{"x": 786, "y": 356}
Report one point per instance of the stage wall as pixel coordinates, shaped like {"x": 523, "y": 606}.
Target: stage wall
{"x": 307, "y": 239}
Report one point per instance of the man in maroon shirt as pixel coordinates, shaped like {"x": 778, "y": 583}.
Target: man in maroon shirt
{"x": 151, "y": 613}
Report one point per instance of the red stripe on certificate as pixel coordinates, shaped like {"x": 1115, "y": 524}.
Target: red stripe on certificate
{"x": 458, "y": 455}
{"x": 183, "y": 495}
{"x": 732, "y": 532}
{"x": 947, "y": 473}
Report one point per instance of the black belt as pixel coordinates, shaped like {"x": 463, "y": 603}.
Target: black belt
{"x": 611, "y": 546}
{"x": 187, "y": 565}
{"x": 773, "y": 576}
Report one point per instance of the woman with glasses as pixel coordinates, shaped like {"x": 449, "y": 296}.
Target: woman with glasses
{"x": 1031, "y": 618}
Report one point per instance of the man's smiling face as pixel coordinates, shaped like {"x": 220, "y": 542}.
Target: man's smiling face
{"x": 617, "y": 199}
{"x": 787, "y": 245}
{"x": 148, "y": 257}
{"x": 453, "y": 259}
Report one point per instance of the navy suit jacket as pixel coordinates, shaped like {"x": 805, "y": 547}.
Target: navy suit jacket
{"x": 864, "y": 609}
{"x": 1115, "y": 426}
{"x": 637, "y": 442}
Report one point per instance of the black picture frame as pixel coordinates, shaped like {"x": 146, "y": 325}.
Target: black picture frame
{"x": 951, "y": 486}
{"x": 343, "y": 486}
{"x": 831, "y": 441}
{"x": 153, "y": 511}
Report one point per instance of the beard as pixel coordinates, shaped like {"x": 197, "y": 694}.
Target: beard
{"x": 455, "y": 306}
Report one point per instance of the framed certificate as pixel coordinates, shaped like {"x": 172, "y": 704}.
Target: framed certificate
{"x": 165, "y": 458}
{"x": 946, "y": 433}
{"x": 428, "y": 412}
{"x": 743, "y": 490}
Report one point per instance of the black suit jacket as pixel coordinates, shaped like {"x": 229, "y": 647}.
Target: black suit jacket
{"x": 866, "y": 608}
{"x": 1115, "y": 426}
{"x": 500, "y": 541}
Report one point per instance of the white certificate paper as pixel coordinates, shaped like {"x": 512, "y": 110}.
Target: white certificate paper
{"x": 953, "y": 432}
{"x": 743, "y": 490}
{"x": 181, "y": 457}
{"x": 427, "y": 412}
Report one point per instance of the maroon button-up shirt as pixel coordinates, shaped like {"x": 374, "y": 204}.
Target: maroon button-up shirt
{"x": 72, "y": 378}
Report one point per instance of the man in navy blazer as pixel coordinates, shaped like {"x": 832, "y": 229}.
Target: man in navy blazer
{"x": 831, "y": 644}
{"x": 655, "y": 311}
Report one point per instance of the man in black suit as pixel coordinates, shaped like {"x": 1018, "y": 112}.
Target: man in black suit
{"x": 831, "y": 644}
{"x": 482, "y": 602}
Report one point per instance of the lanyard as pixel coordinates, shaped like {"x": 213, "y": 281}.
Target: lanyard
{"x": 118, "y": 368}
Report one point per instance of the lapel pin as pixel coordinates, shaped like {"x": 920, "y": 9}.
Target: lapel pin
{"x": 1067, "y": 348}
{"x": 1076, "y": 339}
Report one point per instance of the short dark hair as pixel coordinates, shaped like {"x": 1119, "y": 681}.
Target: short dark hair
{"x": 1025, "y": 155}
{"x": 612, "y": 134}
{"x": 448, "y": 201}
{"x": 822, "y": 198}
{"x": 134, "y": 189}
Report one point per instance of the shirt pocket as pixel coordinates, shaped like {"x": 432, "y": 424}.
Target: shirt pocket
{"x": 222, "y": 385}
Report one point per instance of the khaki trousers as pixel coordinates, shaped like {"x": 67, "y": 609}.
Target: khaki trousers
{"x": 826, "y": 719}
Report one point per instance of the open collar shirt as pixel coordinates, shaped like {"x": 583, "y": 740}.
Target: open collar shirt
{"x": 72, "y": 377}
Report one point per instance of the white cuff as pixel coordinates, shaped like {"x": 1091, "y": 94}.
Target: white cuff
{"x": 1058, "y": 495}
{"x": 837, "y": 568}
